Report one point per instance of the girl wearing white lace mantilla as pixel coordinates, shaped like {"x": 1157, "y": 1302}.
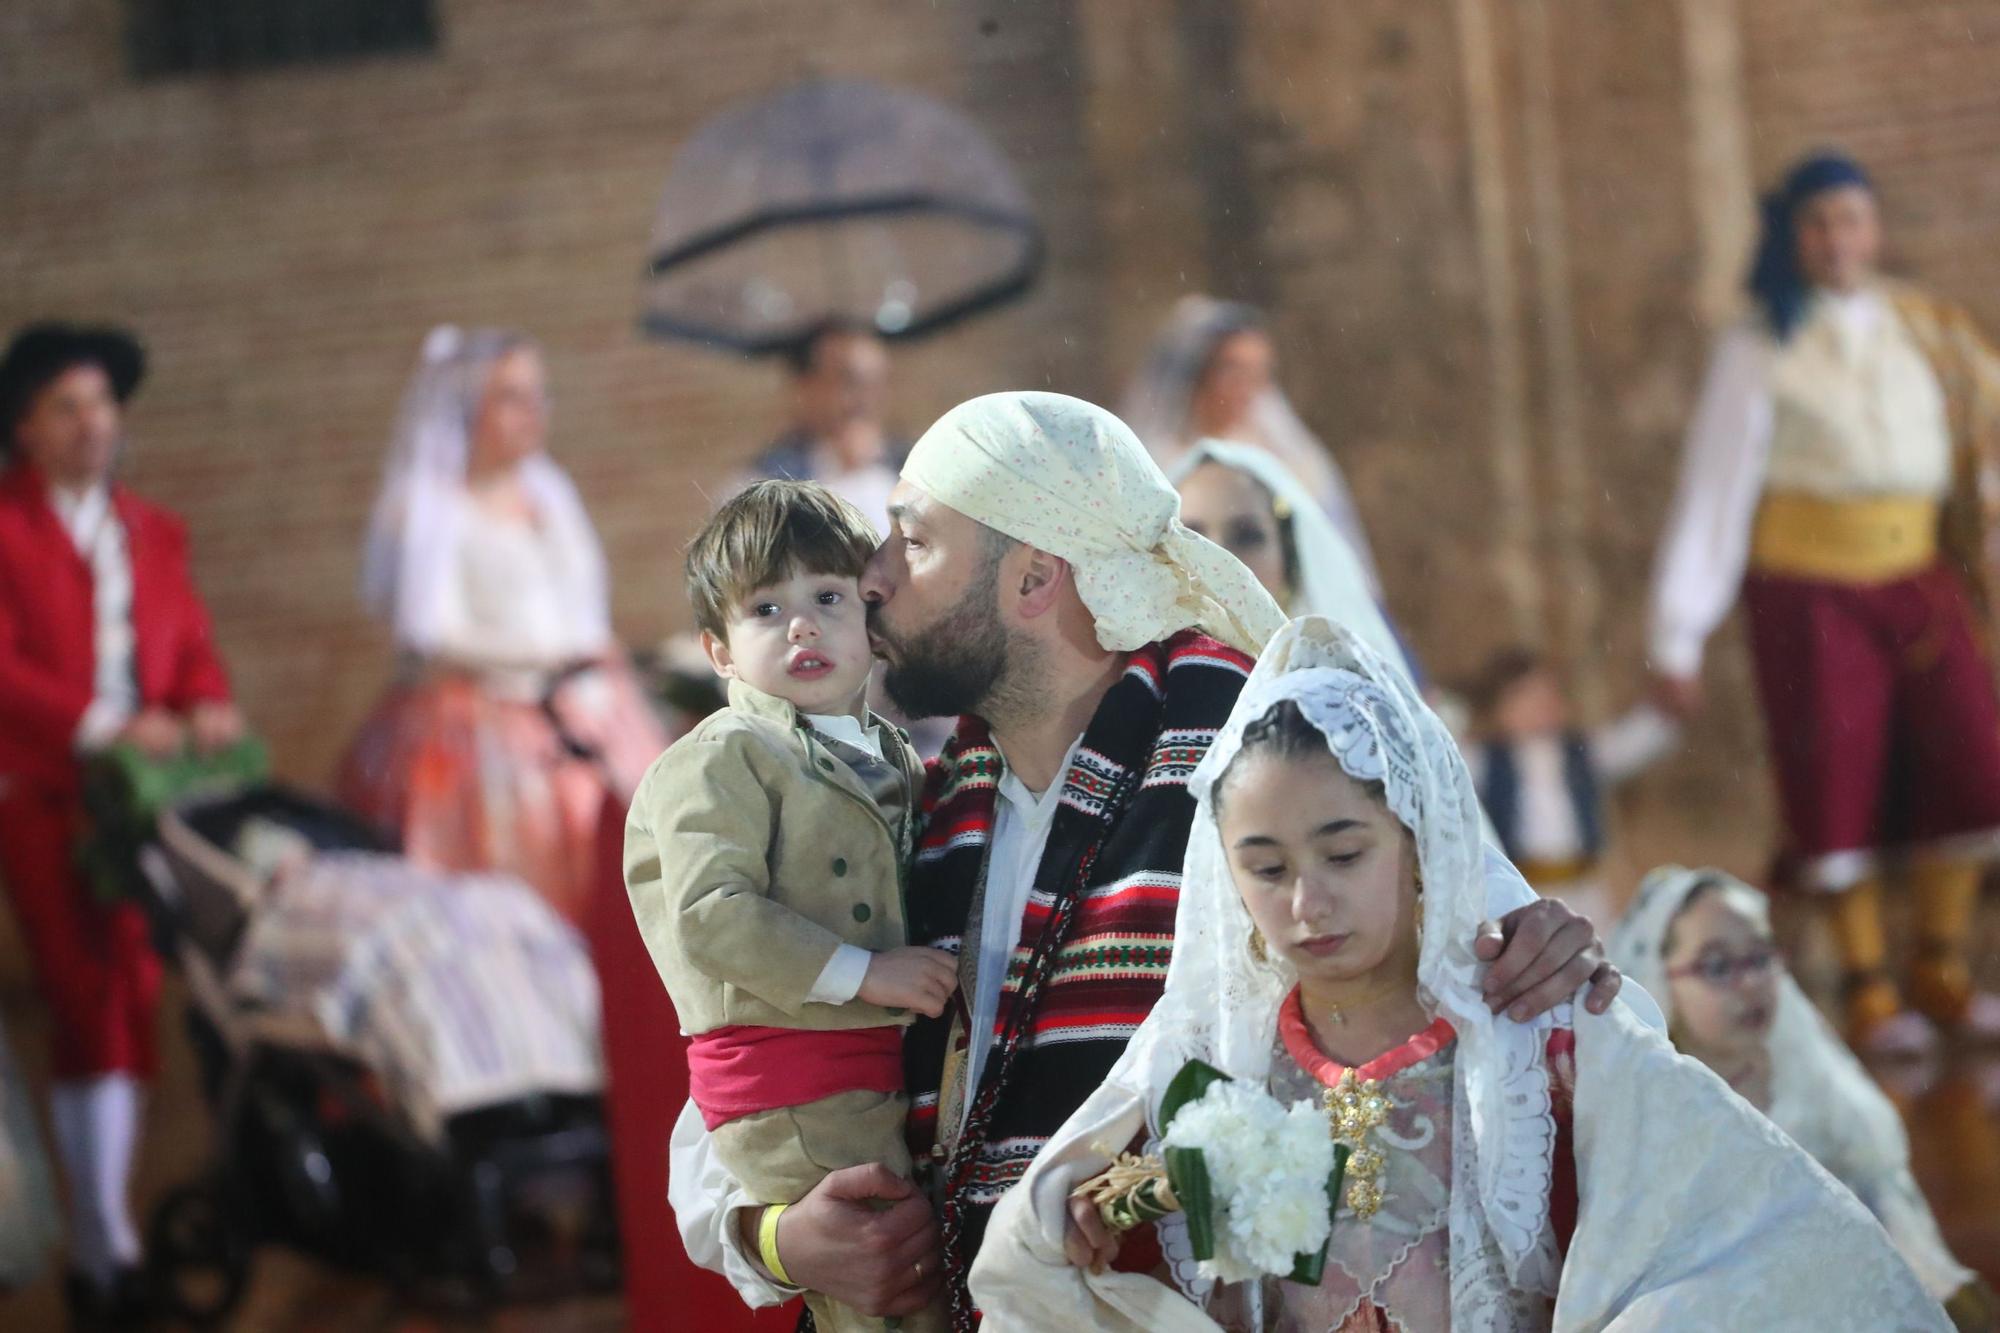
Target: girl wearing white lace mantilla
{"x": 1247, "y": 501}
{"x": 1505, "y": 1175}
{"x": 1700, "y": 942}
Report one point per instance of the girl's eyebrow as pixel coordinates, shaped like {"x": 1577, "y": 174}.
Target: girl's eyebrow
{"x": 1325, "y": 830}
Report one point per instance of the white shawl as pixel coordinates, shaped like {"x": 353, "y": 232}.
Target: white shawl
{"x": 1157, "y": 407}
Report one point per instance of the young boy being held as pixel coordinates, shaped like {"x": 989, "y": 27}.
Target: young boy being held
{"x": 765, "y": 857}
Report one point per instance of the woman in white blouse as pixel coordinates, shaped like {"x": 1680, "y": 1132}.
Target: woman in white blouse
{"x": 1832, "y": 478}
{"x": 482, "y": 560}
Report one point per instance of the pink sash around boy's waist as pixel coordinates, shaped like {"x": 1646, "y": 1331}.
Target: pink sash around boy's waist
{"x": 740, "y": 1070}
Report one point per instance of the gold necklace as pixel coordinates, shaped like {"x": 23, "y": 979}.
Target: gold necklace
{"x": 1338, "y": 1012}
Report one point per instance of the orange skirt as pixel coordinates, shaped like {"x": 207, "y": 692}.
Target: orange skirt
{"x": 469, "y": 781}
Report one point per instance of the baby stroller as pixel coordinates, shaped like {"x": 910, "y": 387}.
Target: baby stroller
{"x": 403, "y": 1065}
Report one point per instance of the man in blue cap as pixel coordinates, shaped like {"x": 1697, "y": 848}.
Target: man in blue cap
{"x": 1833, "y": 477}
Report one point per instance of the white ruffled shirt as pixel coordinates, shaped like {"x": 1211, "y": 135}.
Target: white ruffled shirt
{"x": 92, "y": 523}
{"x": 507, "y": 605}
{"x": 1729, "y": 458}
{"x": 840, "y": 980}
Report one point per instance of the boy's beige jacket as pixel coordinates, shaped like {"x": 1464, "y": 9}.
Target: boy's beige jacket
{"x": 751, "y": 853}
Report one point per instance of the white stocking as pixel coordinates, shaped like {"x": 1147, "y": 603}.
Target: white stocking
{"x": 96, "y": 1132}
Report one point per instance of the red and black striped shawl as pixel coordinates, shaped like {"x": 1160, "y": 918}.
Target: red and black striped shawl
{"x": 1099, "y": 925}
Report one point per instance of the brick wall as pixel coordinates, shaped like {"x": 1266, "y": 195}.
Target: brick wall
{"x": 1473, "y": 222}
{"x": 284, "y": 240}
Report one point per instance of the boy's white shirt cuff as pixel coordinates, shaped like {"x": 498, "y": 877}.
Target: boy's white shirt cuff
{"x": 705, "y": 1197}
{"x": 840, "y": 980}
{"x": 1676, "y": 656}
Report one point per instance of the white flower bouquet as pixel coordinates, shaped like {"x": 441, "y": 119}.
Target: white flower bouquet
{"x": 1257, "y": 1180}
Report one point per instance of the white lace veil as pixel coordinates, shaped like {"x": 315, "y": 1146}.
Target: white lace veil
{"x": 1809, "y": 1061}
{"x": 1332, "y": 581}
{"x": 1156, "y": 407}
{"x": 1821, "y": 1094}
{"x": 414, "y": 532}
{"x": 1221, "y": 1002}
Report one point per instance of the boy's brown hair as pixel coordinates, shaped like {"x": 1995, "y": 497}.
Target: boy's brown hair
{"x": 1498, "y": 677}
{"x": 765, "y": 535}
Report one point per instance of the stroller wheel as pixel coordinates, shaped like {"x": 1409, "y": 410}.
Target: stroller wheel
{"x": 200, "y": 1263}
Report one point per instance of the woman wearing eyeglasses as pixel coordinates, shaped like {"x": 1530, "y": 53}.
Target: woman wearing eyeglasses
{"x": 1700, "y": 942}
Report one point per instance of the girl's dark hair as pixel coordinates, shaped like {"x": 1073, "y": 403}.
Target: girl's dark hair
{"x": 1709, "y": 884}
{"x": 1228, "y": 319}
{"x": 1498, "y": 677}
{"x": 1281, "y": 516}
{"x": 1285, "y": 732}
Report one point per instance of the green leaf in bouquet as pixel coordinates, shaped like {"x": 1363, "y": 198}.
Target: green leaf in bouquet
{"x": 125, "y": 792}
{"x": 1311, "y": 1267}
{"x": 1195, "y": 1078}
{"x": 1187, "y": 1172}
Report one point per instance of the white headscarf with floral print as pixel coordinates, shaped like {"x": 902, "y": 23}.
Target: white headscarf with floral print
{"x": 1069, "y": 478}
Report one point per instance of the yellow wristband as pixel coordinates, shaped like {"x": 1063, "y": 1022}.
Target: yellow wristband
{"x": 767, "y": 1242}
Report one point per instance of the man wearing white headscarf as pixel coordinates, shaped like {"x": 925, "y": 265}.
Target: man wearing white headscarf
{"x": 1038, "y": 583}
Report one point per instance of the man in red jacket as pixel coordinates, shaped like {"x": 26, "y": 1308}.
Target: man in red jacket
{"x": 103, "y": 639}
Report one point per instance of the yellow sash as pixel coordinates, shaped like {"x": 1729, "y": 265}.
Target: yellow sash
{"x": 1863, "y": 540}
{"x": 1556, "y": 874}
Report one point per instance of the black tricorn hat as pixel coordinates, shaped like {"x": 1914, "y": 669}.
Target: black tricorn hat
{"x": 41, "y": 352}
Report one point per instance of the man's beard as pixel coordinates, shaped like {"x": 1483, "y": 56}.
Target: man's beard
{"x": 953, "y": 665}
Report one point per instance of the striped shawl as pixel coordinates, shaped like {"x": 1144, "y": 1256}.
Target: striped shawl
{"x": 1099, "y": 925}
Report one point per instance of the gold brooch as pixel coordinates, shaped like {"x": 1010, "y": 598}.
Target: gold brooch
{"x": 1355, "y": 1109}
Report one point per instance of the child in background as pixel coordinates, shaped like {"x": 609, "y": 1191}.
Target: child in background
{"x": 1544, "y": 780}
{"x": 765, "y": 858}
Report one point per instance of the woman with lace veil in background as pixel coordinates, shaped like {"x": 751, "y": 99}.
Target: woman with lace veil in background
{"x": 481, "y": 560}
{"x": 1209, "y": 375}
{"x": 1504, "y": 1174}
{"x": 1700, "y": 942}
{"x": 1244, "y": 500}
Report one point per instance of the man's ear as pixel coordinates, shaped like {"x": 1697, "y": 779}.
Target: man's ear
{"x": 1039, "y": 583}
{"x": 716, "y": 650}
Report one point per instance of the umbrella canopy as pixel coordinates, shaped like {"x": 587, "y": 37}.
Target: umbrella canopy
{"x": 835, "y": 200}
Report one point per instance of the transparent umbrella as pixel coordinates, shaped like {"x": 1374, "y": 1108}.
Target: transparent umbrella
{"x": 835, "y": 199}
